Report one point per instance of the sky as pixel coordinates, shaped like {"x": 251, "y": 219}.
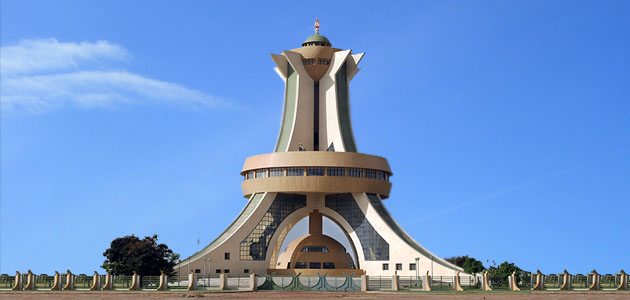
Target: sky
{"x": 506, "y": 123}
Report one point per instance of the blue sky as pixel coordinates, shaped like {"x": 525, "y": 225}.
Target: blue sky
{"x": 506, "y": 124}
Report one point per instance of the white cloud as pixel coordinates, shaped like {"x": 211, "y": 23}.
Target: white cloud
{"x": 41, "y": 75}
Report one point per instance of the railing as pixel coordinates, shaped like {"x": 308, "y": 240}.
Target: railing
{"x": 6, "y": 281}
{"x": 121, "y": 282}
{"x": 579, "y": 281}
{"x": 410, "y": 282}
{"x": 208, "y": 282}
{"x": 380, "y": 283}
{"x": 149, "y": 282}
{"x": 178, "y": 282}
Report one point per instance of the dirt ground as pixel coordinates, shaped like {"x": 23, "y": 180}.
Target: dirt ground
{"x": 314, "y": 295}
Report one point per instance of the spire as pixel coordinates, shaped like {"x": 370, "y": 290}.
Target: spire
{"x": 317, "y": 25}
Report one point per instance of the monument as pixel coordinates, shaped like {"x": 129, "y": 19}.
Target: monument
{"x": 315, "y": 171}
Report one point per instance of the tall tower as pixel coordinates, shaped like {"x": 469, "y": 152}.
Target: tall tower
{"x": 316, "y": 170}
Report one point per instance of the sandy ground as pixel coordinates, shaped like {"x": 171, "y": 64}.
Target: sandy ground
{"x": 314, "y": 295}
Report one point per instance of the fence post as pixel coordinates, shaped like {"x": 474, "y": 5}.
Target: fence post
{"x": 69, "y": 282}
{"x": 595, "y": 285}
{"x": 135, "y": 282}
{"x": 426, "y": 282}
{"x": 163, "y": 281}
{"x": 539, "y": 281}
{"x": 222, "y": 281}
{"x": 109, "y": 285}
{"x": 96, "y": 281}
{"x": 30, "y": 282}
{"x": 192, "y": 280}
{"x": 623, "y": 283}
{"x": 18, "y": 281}
{"x": 512, "y": 282}
{"x": 395, "y": 281}
{"x": 566, "y": 281}
{"x": 486, "y": 284}
{"x": 364, "y": 283}
{"x": 252, "y": 281}
{"x": 56, "y": 282}
{"x": 457, "y": 286}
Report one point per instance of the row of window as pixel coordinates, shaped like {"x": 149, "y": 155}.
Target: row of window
{"x": 315, "y": 249}
{"x": 320, "y": 61}
{"x": 218, "y": 271}
{"x": 316, "y": 44}
{"x": 317, "y": 171}
{"x": 399, "y": 267}
{"x": 312, "y": 265}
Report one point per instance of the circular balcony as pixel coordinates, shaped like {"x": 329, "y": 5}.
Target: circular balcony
{"x": 316, "y": 172}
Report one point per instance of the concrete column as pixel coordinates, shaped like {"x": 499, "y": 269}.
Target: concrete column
{"x": 566, "y": 281}
{"x": 109, "y": 285}
{"x": 364, "y": 283}
{"x": 222, "y": 281}
{"x": 192, "y": 280}
{"x": 457, "y": 284}
{"x": 18, "y": 281}
{"x": 426, "y": 282}
{"x": 513, "y": 283}
{"x": 135, "y": 282}
{"x": 30, "y": 281}
{"x": 623, "y": 285}
{"x": 56, "y": 282}
{"x": 595, "y": 285}
{"x": 252, "y": 282}
{"x": 539, "y": 286}
{"x": 395, "y": 281}
{"x": 163, "y": 282}
{"x": 69, "y": 282}
{"x": 485, "y": 282}
{"x": 96, "y": 281}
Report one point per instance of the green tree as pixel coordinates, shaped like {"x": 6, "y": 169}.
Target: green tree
{"x": 504, "y": 270}
{"x": 472, "y": 266}
{"x": 457, "y": 260}
{"x": 146, "y": 257}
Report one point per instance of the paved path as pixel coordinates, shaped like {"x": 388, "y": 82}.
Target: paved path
{"x": 315, "y": 295}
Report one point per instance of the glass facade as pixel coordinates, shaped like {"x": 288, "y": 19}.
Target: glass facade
{"x": 315, "y": 171}
{"x": 276, "y": 172}
{"x": 261, "y": 173}
{"x": 329, "y": 265}
{"x": 250, "y": 175}
{"x": 315, "y": 249}
{"x": 300, "y": 265}
{"x": 381, "y": 175}
{"x": 315, "y": 265}
{"x": 373, "y": 245}
{"x": 355, "y": 172}
{"x": 336, "y": 171}
{"x": 370, "y": 173}
{"x": 254, "y": 246}
{"x": 299, "y": 171}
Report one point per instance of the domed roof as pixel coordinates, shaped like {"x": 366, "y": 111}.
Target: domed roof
{"x": 317, "y": 38}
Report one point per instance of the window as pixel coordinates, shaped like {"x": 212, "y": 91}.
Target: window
{"x": 197, "y": 271}
{"x": 315, "y": 171}
{"x": 412, "y": 267}
{"x": 385, "y": 267}
{"x": 218, "y": 271}
{"x": 276, "y": 172}
{"x": 261, "y": 173}
{"x": 323, "y": 61}
{"x": 226, "y": 271}
{"x": 315, "y": 265}
{"x": 250, "y": 175}
{"x": 370, "y": 173}
{"x": 300, "y": 265}
{"x": 288, "y": 265}
{"x": 226, "y": 255}
{"x": 381, "y": 175}
{"x": 299, "y": 171}
{"x": 308, "y": 61}
{"x": 254, "y": 246}
{"x": 315, "y": 249}
{"x": 329, "y": 265}
{"x": 246, "y": 271}
{"x": 398, "y": 267}
{"x": 355, "y": 172}
{"x": 336, "y": 171}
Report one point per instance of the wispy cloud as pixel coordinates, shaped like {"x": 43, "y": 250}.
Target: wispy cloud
{"x": 42, "y": 75}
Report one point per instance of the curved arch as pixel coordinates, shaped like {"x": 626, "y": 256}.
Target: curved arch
{"x": 278, "y": 238}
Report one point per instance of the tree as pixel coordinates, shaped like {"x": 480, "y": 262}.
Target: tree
{"x": 469, "y": 264}
{"x": 146, "y": 256}
{"x": 504, "y": 270}
{"x": 472, "y": 266}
